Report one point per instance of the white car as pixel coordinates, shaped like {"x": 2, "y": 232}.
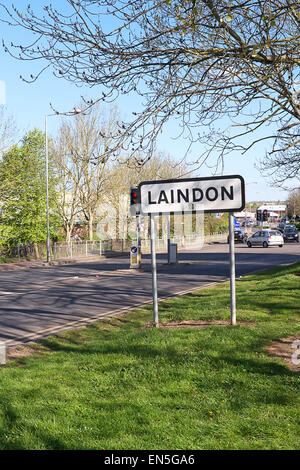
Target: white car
{"x": 266, "y": 238}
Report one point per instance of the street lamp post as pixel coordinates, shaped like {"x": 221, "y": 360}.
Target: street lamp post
{"x": 70, "y": 113}
{"x": 47, "y": 190}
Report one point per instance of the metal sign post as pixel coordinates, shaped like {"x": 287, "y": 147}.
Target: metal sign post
{"x": 169, "y": 234}
{"x": 153, "y": 267}
{"x": 138, "y": 229}
{"x": 138, "y": 236}
{"x": 232, "y": 271}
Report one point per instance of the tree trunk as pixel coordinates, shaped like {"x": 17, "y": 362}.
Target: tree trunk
{"x": 68, "y": 230}
{"x": 90, "y": 227}
{"x": 36, "y": 251}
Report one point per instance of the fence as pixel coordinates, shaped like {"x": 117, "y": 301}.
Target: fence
{"x": 22, "y": 250}
{"x": 102, "y": 247}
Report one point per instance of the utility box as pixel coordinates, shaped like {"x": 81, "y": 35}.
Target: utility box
{"x": 173, "y": 253}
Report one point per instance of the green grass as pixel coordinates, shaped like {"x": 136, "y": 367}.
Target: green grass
{"x": 118, "y": 385}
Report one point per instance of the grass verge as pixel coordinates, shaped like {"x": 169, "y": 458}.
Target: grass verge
{"x": 118, "y": 385}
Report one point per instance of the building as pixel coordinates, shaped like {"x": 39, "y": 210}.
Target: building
{"x": 275, "y": 211}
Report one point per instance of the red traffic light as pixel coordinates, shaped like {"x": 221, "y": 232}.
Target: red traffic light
{"x": 134, "y": 196}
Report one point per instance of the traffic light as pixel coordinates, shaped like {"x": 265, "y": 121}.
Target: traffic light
{"x": 258, "y": 215}
{"x": 265, "y": 215}
{"x": 134, "y": 196}
{"x": 135, "y": 200}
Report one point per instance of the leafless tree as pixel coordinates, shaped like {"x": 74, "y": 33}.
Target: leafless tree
{"x": 8, "y": 130}
{"x": 125, "y": 174}
{"x": 293, "y": 203}
{"x": 82, "y": 163}
{"x": 197, "y": 61}
{"x": 282, "y": 167}
{"x": 68, "y": 175}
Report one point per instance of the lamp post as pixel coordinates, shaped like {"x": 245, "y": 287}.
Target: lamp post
{"x": 70, "y": 113}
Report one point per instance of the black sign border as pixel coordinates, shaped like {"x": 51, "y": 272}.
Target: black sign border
{"x": 205, "y": 178}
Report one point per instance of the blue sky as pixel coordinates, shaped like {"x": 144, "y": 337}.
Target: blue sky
{"x": 29, "y": 103}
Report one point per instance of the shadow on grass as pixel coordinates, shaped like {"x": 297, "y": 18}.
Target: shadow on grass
{"x": 146, "y": 354}
{"x": 12, "y": 438}
{"x": 274, "y": 272}
{"x": 258, "y": 300}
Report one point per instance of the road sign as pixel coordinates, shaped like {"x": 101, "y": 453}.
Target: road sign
{"x": 135, "y": 257}
{"x": 210, "y": 194}
{"x": 237, "y": 225}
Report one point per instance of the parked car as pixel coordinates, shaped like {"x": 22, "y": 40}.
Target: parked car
{"x": 290, "y": 227}
{"x": 266, "y": 238}
{"x": 248, "y": 223}
{"x": 290, "y": 234}
{"x": 239, "y": 236}
{"x": 281, "y": 226}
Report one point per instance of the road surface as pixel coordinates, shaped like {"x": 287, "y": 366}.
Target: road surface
{"x": 41, "y": 301}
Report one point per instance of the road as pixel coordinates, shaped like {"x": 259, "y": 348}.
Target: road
{"x": 41, "y": 301}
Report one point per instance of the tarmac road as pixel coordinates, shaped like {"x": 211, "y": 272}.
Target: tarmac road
{"x": 42, "y": 301}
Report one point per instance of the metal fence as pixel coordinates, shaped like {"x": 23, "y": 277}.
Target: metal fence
{"x": 29, "y": 250}
{"x": 89, "y": 248}
{"x": 102, "y": 247}
{"x": 105, "y": 247}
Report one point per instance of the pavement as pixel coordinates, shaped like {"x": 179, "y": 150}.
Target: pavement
{"x": 27, "y": 264}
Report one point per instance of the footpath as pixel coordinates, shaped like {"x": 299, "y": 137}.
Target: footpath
{"x": 27, "y": 264}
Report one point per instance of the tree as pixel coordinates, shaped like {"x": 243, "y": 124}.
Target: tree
{"x": 282, "y": 166}
{"x": 23, "y": 193}
{"x": 125, "y": 174}
{"x": 293, "y": 203}
{"x": 68, "y": 178}
{"x": 213, "y": 224}
{"x": 8, "y": 130}
{"x": 196, "y": 60}
{"x": 82, "y": 163}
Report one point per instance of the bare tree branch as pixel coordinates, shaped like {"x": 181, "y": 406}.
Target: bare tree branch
{"x": 199, "y": 61}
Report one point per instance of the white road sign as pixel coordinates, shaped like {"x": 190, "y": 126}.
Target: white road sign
{"x": 211, "y": 194}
